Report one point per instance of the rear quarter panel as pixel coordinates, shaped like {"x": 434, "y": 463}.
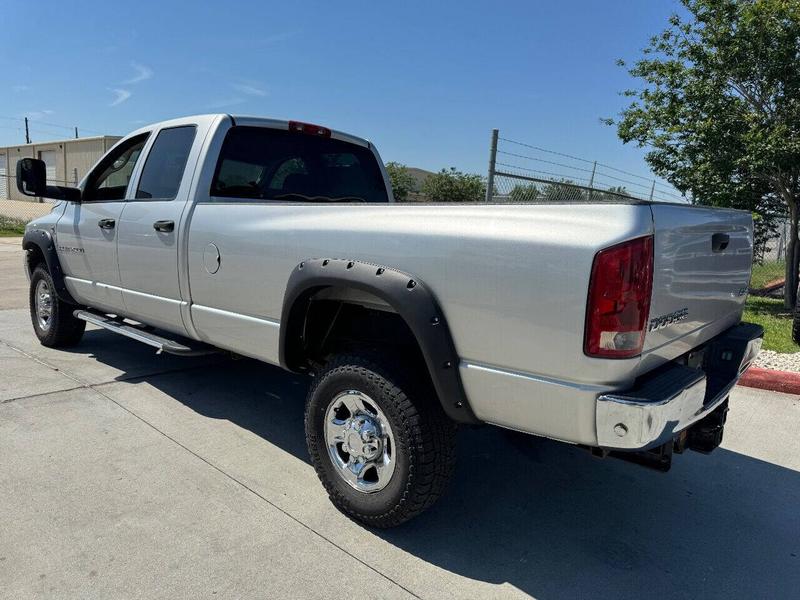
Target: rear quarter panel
{"x": 511, "y": 279}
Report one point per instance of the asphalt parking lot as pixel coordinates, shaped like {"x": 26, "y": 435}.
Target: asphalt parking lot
{"x": 129, "y": 475}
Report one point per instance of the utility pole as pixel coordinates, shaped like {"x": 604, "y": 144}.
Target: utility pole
{"x": 27, "y": 136}
{"x": 591, "y": 180}
{"x": 652, "y": 189}
{"x": 76, "y": 133}
{"x": 492, "y": 160}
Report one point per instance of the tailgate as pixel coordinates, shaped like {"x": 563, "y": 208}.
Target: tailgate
{"x": 702, "y": 261}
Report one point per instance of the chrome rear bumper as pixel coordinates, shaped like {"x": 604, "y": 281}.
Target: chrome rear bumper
{"x": 667, "y": 401}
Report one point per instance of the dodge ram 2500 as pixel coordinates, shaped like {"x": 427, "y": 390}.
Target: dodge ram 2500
{"x": 614, "y": 326}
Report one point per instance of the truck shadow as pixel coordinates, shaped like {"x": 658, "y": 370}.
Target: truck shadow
{"x": 550, "y": 520}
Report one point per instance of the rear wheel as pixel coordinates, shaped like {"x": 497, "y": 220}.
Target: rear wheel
{"x": 52, "y": 319}
{"x": 380, "y": 443}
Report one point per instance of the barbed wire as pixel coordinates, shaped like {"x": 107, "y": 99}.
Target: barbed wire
{"x": 652, "y": 189}
{"x": 545, "y": 161}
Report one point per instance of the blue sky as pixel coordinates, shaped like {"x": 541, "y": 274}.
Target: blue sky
{"x": 426, "y": 81}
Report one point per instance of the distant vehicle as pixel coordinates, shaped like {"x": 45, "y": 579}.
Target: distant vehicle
{"x": 614, "y": 326}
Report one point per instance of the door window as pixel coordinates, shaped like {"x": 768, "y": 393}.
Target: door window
{"x": 166, "y": 162}
{"x": 110, "y": 178}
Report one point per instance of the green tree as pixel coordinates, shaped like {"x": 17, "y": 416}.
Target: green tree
{"x": 564, "y": 190}
{"x": 524, "y": 192}
{"x": 454, "y": 186}
{"x": 612, "y": 194}
{"x": 718, "y": 108}
{"x": 402, "y": 181}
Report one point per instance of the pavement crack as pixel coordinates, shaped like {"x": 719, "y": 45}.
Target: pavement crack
{"x": 96, "y": 388}
{"x": 256, "y": 493}
{"x": 41, "y": 395}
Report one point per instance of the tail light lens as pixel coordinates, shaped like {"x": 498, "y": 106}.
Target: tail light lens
{"x": 619, "y": 299}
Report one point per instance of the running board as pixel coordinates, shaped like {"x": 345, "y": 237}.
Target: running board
{"x": 141, "y": 334}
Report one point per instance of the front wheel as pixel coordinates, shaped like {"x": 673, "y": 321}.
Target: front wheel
{"x": 380, "y": 442}
{"x": 53, "y": 321}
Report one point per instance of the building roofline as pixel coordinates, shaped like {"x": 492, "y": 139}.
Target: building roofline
{"x": 65, "y": 140}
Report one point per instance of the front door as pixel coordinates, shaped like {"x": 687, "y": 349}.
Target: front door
{"x": 86, "y": 234}
{"x": 150, "y": 230}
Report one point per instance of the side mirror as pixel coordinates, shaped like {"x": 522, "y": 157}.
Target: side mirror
{"x": 31, "y": 177}
{"x": 32, "y": 181}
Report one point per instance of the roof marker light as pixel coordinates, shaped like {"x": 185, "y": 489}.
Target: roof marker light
{"x": 309, "y": 129}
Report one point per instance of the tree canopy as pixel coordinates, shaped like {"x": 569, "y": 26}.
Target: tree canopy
{"x": 402, "y": 181}
{"x": 718, "y": 108}
{"x": 454, "y": 186}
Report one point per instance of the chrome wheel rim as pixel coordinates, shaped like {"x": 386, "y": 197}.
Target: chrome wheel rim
{"x": 43, "y": 304}
{"x": 360, "y": 441}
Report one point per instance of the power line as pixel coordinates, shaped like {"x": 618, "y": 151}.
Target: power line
{"x": 50, "y": 124}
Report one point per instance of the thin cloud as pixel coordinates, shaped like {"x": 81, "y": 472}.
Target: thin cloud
{"x": 120, "y": 96}
{"x": 20, "y": 88}
{"x": 35, "y": 115}
{"x": 249, "y": 89}
{"x": 226, "y": 102}
{"x": 142, "y": 73}
{"x": 276, "y": 37}
{"x": 264, "y": 40}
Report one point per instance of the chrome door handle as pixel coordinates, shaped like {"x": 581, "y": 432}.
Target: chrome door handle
{"x": 164, "y": 226}
{"x": 106, "y": 223}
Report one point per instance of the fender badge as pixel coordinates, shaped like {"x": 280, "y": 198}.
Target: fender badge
{"x": 71, "y": 249}
{"x": 668, "y": 319}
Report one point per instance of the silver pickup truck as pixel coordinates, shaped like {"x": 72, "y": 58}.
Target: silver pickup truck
{"x": 614, "y": 326}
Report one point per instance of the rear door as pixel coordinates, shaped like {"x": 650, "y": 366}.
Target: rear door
{"x": 86, "y": 234}
{"x": 150, "y": 226}
{"x": 702, "y": 260}
{"x": 264, "y": 179}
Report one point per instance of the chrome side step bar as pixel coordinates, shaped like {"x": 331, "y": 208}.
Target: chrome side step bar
{"x": 142, "y": 334}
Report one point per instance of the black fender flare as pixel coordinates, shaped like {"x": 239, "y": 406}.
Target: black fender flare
{"x": 43, "y": 240}
{"x": 407, "y": 295}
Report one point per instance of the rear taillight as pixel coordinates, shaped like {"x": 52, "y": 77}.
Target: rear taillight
{"x": 619, "y": 299}
{"x": 309, "y": 129}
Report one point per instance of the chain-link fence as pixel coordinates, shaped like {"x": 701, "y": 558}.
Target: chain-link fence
{"x": 520, "y": 172}
{"x": 774, "y": 249}
{"x": 15, "y": 213}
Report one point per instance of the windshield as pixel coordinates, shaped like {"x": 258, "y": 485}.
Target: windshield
{"x": 272, "y": 164}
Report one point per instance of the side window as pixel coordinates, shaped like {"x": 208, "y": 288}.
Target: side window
{"x": 166, "y": 162}
{"x": 262, "y": 163}
{"x": 110, "y": 178}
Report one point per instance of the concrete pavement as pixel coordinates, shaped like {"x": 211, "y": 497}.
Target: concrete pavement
{"x": 129, "y": 475}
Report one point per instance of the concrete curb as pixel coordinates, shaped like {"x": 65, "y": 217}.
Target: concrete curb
{"x": 774, "y": 381}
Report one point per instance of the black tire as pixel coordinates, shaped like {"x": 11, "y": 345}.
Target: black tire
{"x": 424, "y": 439}
{"x": 61, "y": 329}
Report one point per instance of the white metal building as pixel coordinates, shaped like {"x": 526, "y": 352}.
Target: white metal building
{"x": 67, "y": 161}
